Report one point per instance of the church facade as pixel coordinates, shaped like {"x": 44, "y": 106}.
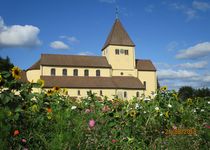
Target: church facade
{"x": 116, "y": 73}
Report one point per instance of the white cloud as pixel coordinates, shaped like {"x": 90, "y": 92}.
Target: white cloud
{"x": 197, "y": 51}
{"x": 196, "y": 65}
{"x": 206, "y": 78}
{"x": 86, "y": 53}
{"x": 149, "y": 8}
{"x": 173, "y": 74}
{"x": 172, "y": 46}
{"x": 189, "y": 12}
{"x": 203, "y": 6}
{"x": 18, "y": 36}
{"x": 108, "y": 1}
{"x": 71, "y": 39}
{"x": 162, "y": 65}
{"x": 59, "y": 45}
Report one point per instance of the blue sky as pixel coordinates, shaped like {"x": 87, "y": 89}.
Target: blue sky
{"x": 175, "y": 35}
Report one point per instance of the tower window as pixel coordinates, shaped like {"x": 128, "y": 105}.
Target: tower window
{"x": 75, "y": 72}
{"x": 86, "y": 72}
{"x": 126, "y": 52}
{"x": 98, "y": 73}
{"x": 78, "y": 92}
{"x": 137, "y": 94}
{"x": 53, "y": 72}
{"x": 125, "y": 94}
{"x": 64, "y": 72}
{"x": 145, "y": 85}
{"x": 117, "y": 51}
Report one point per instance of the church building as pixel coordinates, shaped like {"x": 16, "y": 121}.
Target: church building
{"x": 116, "y": 73}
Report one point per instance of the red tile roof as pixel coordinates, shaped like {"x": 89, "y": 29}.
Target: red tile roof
{"x": 118, "y": 36}
{"x": 145, "y": 65}
{"x": 116, "y": 82}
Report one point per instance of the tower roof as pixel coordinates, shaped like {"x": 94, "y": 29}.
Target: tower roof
{"x": 118, "y": 36}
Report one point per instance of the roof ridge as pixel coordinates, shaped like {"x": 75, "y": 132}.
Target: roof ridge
{"x": 73, "y": 55}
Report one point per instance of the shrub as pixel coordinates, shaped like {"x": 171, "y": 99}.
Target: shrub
{"x": 52, "y": 120}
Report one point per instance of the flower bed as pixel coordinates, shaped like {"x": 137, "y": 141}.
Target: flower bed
{"x": 51, "y": 120}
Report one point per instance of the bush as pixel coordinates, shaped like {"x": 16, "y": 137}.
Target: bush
{"x": 52, "y": 120}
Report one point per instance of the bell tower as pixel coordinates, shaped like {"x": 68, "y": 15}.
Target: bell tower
{"x": 119, "y": 49}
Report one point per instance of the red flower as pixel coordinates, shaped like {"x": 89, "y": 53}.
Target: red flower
{"x": 16, "y": 132}
{"x": 49, "y": 110}
{"x": 207, "y": 126}
{"x": 114, "y": 141}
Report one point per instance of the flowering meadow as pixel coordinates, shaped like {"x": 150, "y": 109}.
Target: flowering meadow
{"x": 52, "y": 120}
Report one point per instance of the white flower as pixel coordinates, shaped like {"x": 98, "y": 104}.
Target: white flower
{"x": 202, "y": 110}
{"x": 169, "y": 105}
{"x": 144, "y": 112}
{"x": 194, "y": 110}
{"x": 208, "y": 102}
{"x": 157, "y": 108}
{"x": 147, "y": 99}
{"x": 136, "y": 106}
{"x": 73, "y": 107}
{"x": 34, "y": 99}
{"x": 161, "y": 114}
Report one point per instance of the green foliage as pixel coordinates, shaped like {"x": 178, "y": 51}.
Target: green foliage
{"x": 54, "y": 121}
{"x": 5, "y": 64}
{"x": 186, "y": 92}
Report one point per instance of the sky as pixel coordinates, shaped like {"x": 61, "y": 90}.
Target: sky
{"x": 174, "y": 34}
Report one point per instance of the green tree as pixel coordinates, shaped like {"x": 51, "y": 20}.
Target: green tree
{"x": 186, "y": 92}
{"x": 5, "y": 64}
{"x": 203, "y": 92}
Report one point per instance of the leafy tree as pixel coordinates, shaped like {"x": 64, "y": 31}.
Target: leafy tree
{"x": 186, "y": 92}
{"x": 5, "y": 64}
{"x": 203, "y": 92}
{"x": 158, "y": 84}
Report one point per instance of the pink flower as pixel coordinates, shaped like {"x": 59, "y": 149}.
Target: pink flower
{"x": 87, "y": 111}
{"x": 105, "y": 109}
{"x": 174, "y": 127}
{"x": 92, "y": 123}
{"x": 23, "y": 140}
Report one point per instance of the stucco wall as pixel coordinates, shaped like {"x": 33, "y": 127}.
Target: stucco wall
{"x": 110, "y": 93}
{"x": 120, "y": 61}
{"x": 132, "y": 72}
{"x": 33, "y": 75}
{"x": 151, "y": 81}
{"x": 104, "y": 72}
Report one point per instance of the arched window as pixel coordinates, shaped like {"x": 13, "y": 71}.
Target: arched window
{"x": 137, "y": 94}
{"x": 75, "y": 72}
{"x": 126, "y": 52}
{"x": 98, "y": 73}
{"x": 86, "y": 72}
{"x": 117, "y": 52}
{"x": 53, "y": 72}
{"x": 145, "y": 85}
{"x": 64, "y": 72}
{"x": 125, "y": 94}
{"x": 101, "y": 93}
{"x": 78, "y": 92}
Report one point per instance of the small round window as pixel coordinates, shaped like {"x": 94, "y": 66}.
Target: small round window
{"x": 121, "y": 73}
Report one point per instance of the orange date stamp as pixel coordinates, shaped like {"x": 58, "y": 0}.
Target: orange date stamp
{"x": 191, "y": 131}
